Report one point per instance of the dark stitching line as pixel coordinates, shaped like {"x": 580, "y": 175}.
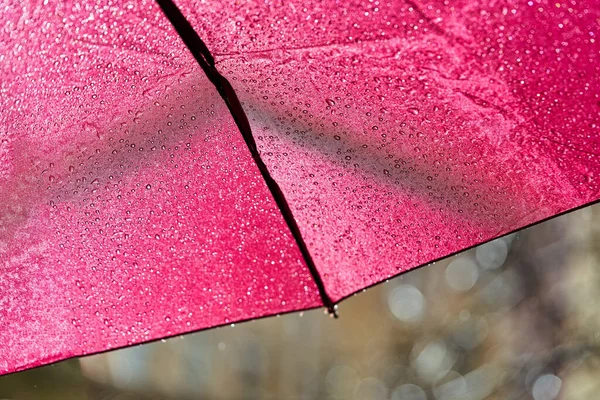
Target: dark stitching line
{"x": 207, "y": 62}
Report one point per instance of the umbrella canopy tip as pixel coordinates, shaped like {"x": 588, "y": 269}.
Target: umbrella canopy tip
{"x": 332, "y": 311}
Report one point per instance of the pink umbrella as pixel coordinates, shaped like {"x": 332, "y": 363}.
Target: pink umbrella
{"x": 375, "y": 137}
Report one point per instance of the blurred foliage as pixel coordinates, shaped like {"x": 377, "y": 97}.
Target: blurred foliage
{"x": 516, "y": 318}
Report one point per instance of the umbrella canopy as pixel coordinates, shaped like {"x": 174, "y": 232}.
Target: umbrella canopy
{"x": 132, "y": 208}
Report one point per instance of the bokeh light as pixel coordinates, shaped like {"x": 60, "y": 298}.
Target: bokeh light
{"x": 514, "y": 318}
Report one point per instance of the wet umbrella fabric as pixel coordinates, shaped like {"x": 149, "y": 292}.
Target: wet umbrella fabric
{"x": 131, "y": 208}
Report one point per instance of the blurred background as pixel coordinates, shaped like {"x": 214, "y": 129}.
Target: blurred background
{"x": 516, "y": 318}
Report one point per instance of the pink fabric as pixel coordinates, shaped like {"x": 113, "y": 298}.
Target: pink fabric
{"x": 402, "y": 132}
{"x": 130, "y": 208}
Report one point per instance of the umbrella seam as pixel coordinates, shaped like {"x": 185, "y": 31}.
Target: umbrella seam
{"x": 206, "y": 61}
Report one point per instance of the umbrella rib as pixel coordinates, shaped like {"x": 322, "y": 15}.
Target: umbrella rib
{"x": 206, "y": 61}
